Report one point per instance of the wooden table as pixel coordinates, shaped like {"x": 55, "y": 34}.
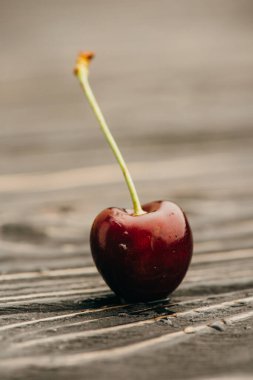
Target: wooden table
{"x": 175, "y": 82}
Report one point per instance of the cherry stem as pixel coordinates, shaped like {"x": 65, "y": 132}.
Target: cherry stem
{"x": 81, "y": 71}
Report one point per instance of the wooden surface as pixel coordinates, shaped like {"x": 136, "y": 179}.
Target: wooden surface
{"x": 175, "y": 81}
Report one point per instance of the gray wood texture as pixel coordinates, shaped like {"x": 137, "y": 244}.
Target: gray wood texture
{"x": 175, "y": 81}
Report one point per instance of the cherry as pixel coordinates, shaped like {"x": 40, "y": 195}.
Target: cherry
{"x": 142, "y": 257}
{"x": 143, "y": 254}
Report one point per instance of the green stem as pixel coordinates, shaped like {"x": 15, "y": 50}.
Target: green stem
{"x": 82, "y": 75}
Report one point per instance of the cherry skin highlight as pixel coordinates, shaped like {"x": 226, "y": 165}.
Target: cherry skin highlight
{"x": 144, "y": 257}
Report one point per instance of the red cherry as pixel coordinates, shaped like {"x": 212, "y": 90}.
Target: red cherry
{"x": 143, "y": 254}
{"x": 145, "y": 257}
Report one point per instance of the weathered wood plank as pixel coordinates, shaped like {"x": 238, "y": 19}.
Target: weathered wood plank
{"x": 184, "y": 123}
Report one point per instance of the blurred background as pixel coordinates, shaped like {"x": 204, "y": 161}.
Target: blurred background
{"x": 175, "y": 81}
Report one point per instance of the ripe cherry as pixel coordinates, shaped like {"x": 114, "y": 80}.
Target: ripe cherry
{"x": 142, "y": 257}
{"x": 143, "y": 254}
